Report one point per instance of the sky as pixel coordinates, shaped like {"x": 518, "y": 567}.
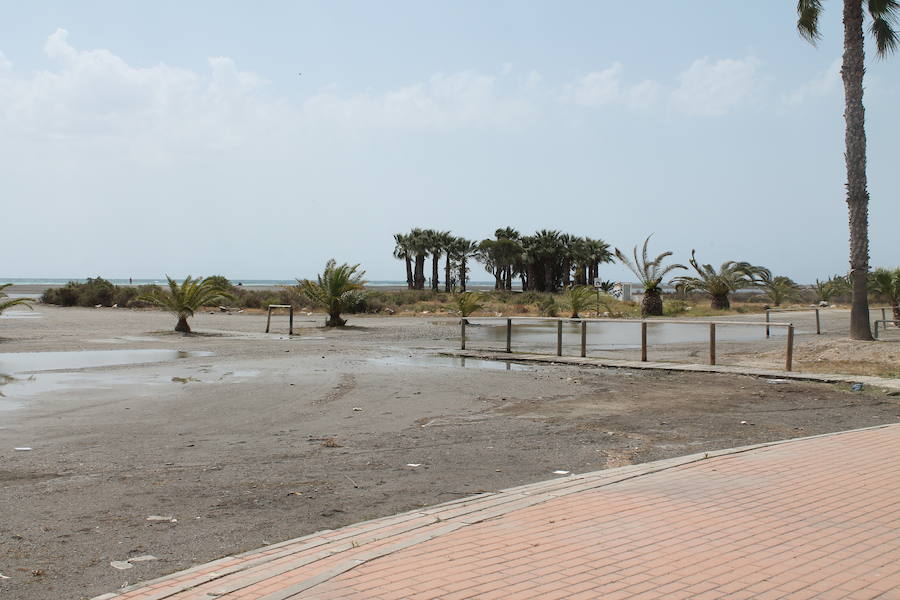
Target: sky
{"x": 258, "y": 140}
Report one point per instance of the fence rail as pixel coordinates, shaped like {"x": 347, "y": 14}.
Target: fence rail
{"x": 789, "y": 351}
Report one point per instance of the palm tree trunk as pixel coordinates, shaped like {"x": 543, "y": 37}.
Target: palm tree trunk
{"x": 419, "y": 277}
{"x": 896, "y": 309}
{"x": 409, "y": 272}
{"x": 852, "y": 71}
{"x": 720, "y": 302}
{"x": 447, "y": 273}
{"x": 462, "y": 273}
{"x": 435, "y": 259}
{"x": 335, "y": 320}
{"x": 182, "y": 325}
{"x": 651, "y": 304}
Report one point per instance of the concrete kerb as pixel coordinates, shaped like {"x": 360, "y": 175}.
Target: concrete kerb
{"x": 441, "y": 519}
{"x": 879, "y": 382}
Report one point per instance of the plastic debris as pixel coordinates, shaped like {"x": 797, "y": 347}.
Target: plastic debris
{"x": 776, "y": 381}
{"x": 413, "y": 465}
{"x": 357, "y": 408}
{"x": 2, "y": 576}
{"x": 560, "y": 472}
{"x": 857, "y": 387}
{"x": 22, "y": 449}
{"x": 142, "y": 558}
{"x": 121, "y": 565}
{"x": 161, "y": 518}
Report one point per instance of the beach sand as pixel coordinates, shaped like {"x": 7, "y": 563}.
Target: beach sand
{"x": 271, "y": 437}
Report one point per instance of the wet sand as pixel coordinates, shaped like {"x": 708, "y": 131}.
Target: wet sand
{"x": 269, "y": 437}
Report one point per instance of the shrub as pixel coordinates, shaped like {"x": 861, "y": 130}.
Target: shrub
{"x": 548, "y": 307}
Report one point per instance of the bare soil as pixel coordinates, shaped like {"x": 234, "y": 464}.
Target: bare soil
{"x": 272, "y": 438}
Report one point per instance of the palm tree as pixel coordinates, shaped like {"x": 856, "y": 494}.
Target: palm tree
{"x": 730, "y": 277}
{"x": 886, "y": 283}
{"x": 4, "y": 304}
{"x": 402, "y": 252}
{"x": 334, "y": 289}
{"x": 580, "y": 297}
{"x": 185, "y": 299}
{"x": 419, "y": 242}
{"x": 650, "y": 273}
{"x": 468, "y": 302}
{"x": 463, "y": 250}
{"x": 437, "y": 244}
{"x": 779, "y": 288}
{"x": 883, "y": 14}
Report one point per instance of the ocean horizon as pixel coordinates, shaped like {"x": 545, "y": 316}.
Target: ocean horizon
{"x": 162, "y": 281}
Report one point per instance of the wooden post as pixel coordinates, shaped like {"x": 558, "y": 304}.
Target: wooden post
{"x": 268, "y": 319}
{"x": 509, "y": 335}
{"x": 583, "y": 339}
{"x": 876, "y": 328}
{"x": 291, "y": 321}
{"x": 643, "y": 341}
{"x": 818, "y": 323}
{"x": 462, "y": 334}
{"x": 767, "y": 320}
{"x": 789, "y": 358}
{"x": 559, "y": 337}
{"x": 712, "y": 343}
{"x": 883, "y": 315}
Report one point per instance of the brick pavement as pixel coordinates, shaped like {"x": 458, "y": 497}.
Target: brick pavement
{"x": 810, "y": 518}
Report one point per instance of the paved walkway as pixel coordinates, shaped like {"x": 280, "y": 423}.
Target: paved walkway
{"x": 879, "y": 382}
{"x": 811, "y": 518}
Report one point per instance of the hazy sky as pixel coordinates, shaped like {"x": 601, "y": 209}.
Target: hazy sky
{"x": 138, "y": 139}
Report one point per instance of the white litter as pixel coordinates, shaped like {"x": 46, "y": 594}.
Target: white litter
{"x": 22, "y": 449}
{"x": 413, "y": 464}
{"x": 143, "y": 558}
{"x": 560, "y": 472}
{"x": 161, "y": 518}
{"x": 121, "y": 565}
{"x": 356, "y": 408}
{"x": 2, "y": 576}
{"x": 777, "y": 381}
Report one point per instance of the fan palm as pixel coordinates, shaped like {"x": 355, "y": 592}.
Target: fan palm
{"x": 4, "y": 304}
{"x": 402, "y": 252}
{"x": 462, "y": 250}
{"x": 334, "y": 289}
{"x": 883, "y": 15}
{"x": 730, "y": 277}
{"x": 650, "y": 273}
{"x": 886, "y": 283}
{"x": 185, "y": 299}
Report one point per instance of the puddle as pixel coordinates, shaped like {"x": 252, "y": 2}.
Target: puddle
{"x": 23, "y": 386}
{"x": 126, "y": 338}
{"x": 20, "y": 314}
{"x": 452, "y": 362}
{"x": 613, "y": 336}
{"x": 30, "y": 362}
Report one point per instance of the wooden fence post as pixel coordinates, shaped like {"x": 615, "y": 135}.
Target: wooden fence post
{"x": 789, "y": 358}
{"x": 767, "y": 320}
{"x": 818, "y": 323}
{"x": 462, "y": 333}
{"x": 559, "y": 337}
{"x": 712, "y": 343}
{"x": 268, "y": 319}
{"x": 643, "y": 341}
{"x": 583, "y": 339}
{"x": 291, "y": 321}
{"x": 509, "y": 335}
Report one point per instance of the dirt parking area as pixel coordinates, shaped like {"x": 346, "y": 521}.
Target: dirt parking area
{"x": 241, "y": 439}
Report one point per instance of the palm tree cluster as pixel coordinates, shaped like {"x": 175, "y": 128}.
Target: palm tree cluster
{"x": 837, "y": 285}
{"x": 547, "y": 261}
{"x": 886, "y": 283}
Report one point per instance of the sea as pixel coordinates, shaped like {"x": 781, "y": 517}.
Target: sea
{"x": 263, "y": 283}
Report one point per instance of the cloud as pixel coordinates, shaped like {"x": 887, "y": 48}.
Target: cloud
{"x": 713, "y": 88}
{"x": 604, "y": 88}
{"x": 824, "y": 84}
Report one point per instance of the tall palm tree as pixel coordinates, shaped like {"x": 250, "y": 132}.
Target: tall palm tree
{"x": 419, "y": 242}
{"x": 4, "y": 304}
{"x": 437, "y": 244}
{"x": 730, "y": 277}
{"x": 650, "y": 273}
{"x": 185, "y": 299}
{"x": 883, "y": 14}
{"x": 334, "y": 289}
{"x": 402, "y": 252}
{"x": 463, "y": 250}
{"x": 886, "y": 283}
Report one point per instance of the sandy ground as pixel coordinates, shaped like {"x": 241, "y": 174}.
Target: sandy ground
{"x": 273, "y": 437}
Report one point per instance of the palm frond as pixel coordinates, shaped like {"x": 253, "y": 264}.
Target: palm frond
{"x": 884, "y": 22}
{"x": 808, "y": 12}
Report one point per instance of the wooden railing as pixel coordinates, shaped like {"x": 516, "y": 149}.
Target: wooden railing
{"x": 789, "y": 351}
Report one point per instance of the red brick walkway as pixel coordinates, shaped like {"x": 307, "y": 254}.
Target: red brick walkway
{"x": 810, "y": 518}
